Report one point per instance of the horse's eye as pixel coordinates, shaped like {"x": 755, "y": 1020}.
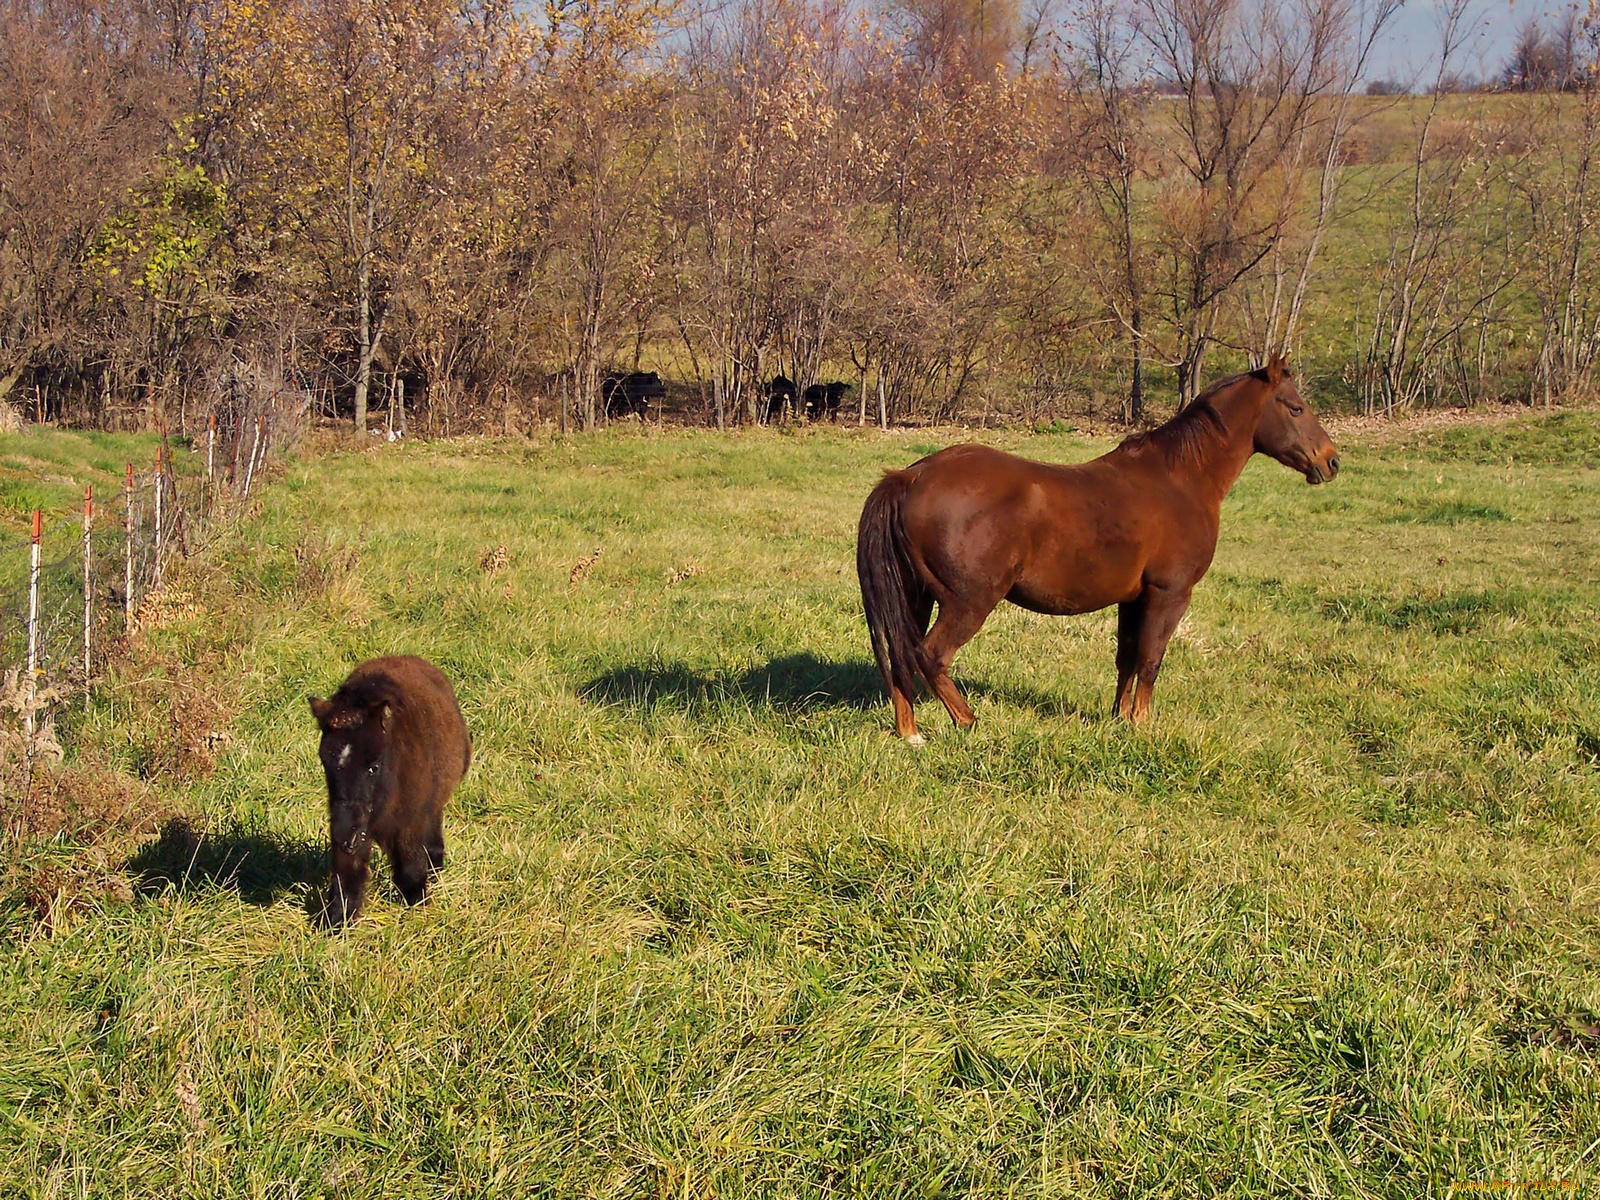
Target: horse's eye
{"x": 373, "y": 769}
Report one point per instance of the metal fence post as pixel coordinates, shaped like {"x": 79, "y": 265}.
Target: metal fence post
{"x": 33, "y": 629}
{"x": 88, "y": 583}
{"x": 155, "y": 571}
{"x": 127, "y": 545}
{"x": 250, "y": 467}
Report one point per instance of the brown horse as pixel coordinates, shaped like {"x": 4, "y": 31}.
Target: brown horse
{"x": 969, "y": 527}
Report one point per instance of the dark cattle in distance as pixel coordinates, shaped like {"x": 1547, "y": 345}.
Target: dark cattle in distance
{"x": 394, "y": 746}
{"x": 823, "y": 400}
{"x": 631, "y": 394}
{"x": 780, "y": 391}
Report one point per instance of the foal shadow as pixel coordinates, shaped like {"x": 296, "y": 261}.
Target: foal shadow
{"x": 799, "y": 683}
{"x": 260, "y": 866}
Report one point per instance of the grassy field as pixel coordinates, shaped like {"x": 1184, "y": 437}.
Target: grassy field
{"x": 1330, "y": 926}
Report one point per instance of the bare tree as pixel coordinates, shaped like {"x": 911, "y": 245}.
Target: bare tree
{"x": 1115, "y": 129}
{"x": 85, "y": 119}
{"x": 1557, "y": 184}
{"x": 1248, "y": 79}
{"x": 1440, "y": 271}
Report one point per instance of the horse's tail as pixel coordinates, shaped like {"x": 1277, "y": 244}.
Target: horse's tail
{"x": 885, "y": 569}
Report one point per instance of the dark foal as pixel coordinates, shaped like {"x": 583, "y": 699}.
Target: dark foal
{"x": 394, "y": 746}
{"x": 969, "y": 527}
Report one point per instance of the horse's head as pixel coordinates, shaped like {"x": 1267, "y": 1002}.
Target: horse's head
{"x": 354, "y": 753}
{"x": 1289, "y": 431}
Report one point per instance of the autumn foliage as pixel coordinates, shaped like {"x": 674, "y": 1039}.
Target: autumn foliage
{"x": 478, "y": 210}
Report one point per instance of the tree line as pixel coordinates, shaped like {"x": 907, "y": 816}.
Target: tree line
{"x": 475, "y": 210}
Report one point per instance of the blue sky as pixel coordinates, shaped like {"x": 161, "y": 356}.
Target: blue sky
{"x": 1411, "y": 44}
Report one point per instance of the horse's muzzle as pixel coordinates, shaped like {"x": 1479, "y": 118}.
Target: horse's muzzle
{"x": 1322, "y": 472}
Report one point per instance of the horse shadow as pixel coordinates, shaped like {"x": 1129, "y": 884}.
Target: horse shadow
{"x": 797, "y": 683}
{"x": 1056, "y": 705}
{"x": 258, "y": 865}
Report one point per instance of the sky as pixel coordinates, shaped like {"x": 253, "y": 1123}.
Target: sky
{"x": 1410, "y": 47}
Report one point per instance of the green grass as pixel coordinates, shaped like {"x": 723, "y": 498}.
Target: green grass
{"x": 1330, "y": 926}
{"x": 48, "y": 469}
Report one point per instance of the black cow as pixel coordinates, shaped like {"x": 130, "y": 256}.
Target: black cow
{"x": 823, "y": 400}
{"x": 780, "y": 391}
{"x": 631, "y": 393}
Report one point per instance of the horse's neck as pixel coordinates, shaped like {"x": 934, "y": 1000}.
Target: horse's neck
{"x": 1225, "y": 457}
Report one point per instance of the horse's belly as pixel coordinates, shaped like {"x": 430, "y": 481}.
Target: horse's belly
{"x": 1061, "y": 599}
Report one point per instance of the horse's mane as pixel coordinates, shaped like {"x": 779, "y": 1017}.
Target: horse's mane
{"x": 1187, "y": 435}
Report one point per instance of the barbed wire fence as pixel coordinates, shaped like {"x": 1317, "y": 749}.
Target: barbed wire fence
{"x": 84, "y": 584}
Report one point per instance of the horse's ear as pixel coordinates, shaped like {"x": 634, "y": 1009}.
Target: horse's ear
{"x": 335, "y": 716}
{"x": 1277, "y": 369}
{"x": 385, "y": 714}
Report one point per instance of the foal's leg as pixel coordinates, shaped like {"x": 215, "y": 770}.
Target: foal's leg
{"x": 415, "y": 865}
{"x": 956, "y": 626}
{"x": 1144, "y": 626}
{"x": 348, "y": 885}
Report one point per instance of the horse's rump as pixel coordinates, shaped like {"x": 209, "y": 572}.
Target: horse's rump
{"x": 884, "y": 568}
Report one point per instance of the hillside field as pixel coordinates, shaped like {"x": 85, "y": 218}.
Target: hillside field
{"x": 1330, "y": 926}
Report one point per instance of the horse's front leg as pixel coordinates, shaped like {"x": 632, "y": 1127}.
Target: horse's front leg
{"x": 1144, "y": 626}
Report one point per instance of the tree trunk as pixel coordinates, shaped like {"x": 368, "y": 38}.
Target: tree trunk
{"x": 364, "y": 362}
{"x": 1136, "y": 384}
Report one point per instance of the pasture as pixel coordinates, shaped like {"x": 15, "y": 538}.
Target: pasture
{"x": 1330, "y": 925}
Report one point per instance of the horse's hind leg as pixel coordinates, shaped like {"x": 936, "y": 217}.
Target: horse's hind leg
{"x": 956, "y": 626}
{"x": 905, "y": 717}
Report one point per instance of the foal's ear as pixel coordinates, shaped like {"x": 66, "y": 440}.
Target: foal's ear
{"x": 385, "y": 715}
{"x": 332, "y": 716}
{"x": 1277, "y": 369}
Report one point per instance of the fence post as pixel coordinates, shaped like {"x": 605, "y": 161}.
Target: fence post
{"x": 266, "y": 436}
{"x": 883, "y": 403}
{"x": 88, "y": 583}
{"x": 250, "y": 467}
{"x": 400, "y": 395}
{"x": 208, "y": 489}
{"x": 33, "y": 630}
{"x": 127, "y": 545}
{"x": 155, "y": 572}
